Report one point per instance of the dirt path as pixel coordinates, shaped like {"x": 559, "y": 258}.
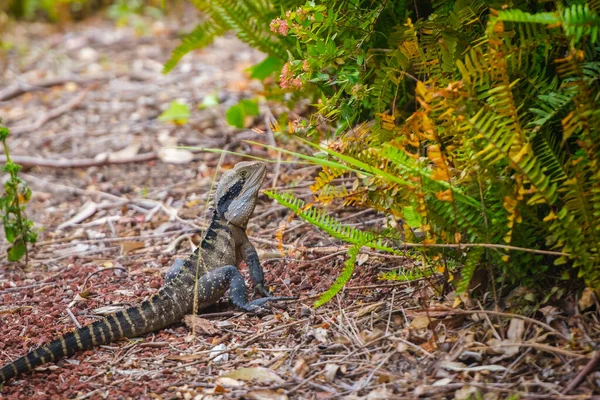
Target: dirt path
{"x": 90, "y": 97}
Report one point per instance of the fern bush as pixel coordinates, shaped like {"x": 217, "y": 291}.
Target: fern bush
{"x": 476, "y": 123}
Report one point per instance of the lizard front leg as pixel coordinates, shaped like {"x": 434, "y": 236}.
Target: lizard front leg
{"x": 212, "y": 285}
{"x": 249, "y": 254}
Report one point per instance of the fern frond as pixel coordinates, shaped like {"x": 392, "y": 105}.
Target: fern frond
{"x": 342, "y": 279}
{"x": 473, "y": 257}
{"x": 407, "y": 168}
{"x": 326, "y": 175}
{"x": 499, "y": 139}
{"x": 241, "y": 17}
{"x": 580, "y": 22}
{"x": 550, "y": 107}
{"x": 333, "y": 227}
{"x": 203, "y": 35}
{"x": 547, "y": 148}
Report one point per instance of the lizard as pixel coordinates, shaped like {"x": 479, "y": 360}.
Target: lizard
{"x": 213, "y": 263}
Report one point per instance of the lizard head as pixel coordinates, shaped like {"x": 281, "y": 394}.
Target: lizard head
{"x": 237, "y": 192}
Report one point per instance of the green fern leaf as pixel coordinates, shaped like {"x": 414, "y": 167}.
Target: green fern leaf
{"x": 342, "y": 279}
{"x": 329, "y": 224}
{"x": 202, "y": 36}
{"x": 473, "y": 258}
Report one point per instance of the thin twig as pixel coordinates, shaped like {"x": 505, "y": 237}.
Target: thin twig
{"x": 538, "y": 346}
{"x": 97, "y": 272}
{"x": 19, "y": 87}
{"x": 28, "y": 161}
{"x": 511, "y": 315}
{"x": 50, "y": 115}
{"x": 589, "y": 367}
{"x": 77, "y": 324}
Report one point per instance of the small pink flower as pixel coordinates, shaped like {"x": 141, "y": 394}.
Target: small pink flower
{"x": 287, "y": 79}
{"x": 301, "y": 14}
{"x": 280, "y": 26}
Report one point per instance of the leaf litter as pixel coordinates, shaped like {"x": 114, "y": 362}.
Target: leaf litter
{"x": 376, "y": 340}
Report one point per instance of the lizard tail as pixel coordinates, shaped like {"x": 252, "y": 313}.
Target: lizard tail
{"x": 131, "y": 322}
{"x": 66, "y": 345}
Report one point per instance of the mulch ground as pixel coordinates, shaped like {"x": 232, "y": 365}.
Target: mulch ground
{"x": 115, "y": 209}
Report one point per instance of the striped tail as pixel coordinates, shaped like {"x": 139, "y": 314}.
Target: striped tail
{"x": 167, "y": 306}
{"x": 65, "y": 346}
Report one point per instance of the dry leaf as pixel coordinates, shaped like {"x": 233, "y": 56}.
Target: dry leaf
{"x": 442, "y": 382}
{"x": 265, "y": 395}
{"x": 401, "y": 347}
{"x": 319, "y": 334}
{"x": 82, "y": 296}
{"x": 12, "y": 310}
{"x": 300, "y": 368}
{"x": 78, "y": 248}
{"x": 420, "y": 322}
{"x": 175, "y": 156}
{"x": 229, "y": 382}
{"x": 381, "y": 393}
{"x": 219, "y": 389}
{"x": 127, "y": 152}
{"x": 186, "y": 357}
{"x": 516, "y": 330}
{"x": 587, "y": 299}
{"x": 339, "y": 339}
{"x": 369, "y": 336}
{"x": 505, "y": 347}
{"x": 86, "y": 211}
{"x": 202, "y": 325}
{"x": 217, "y": 354}
{"x": 330, "y": 372}
{"x": 129, "y": 246}
{"x": 550, "y": 313}
{"x": 362, "y": 258}
{"x": 258, "y": 374}
{"x": 107, "y": 310}
{"x": 465, "y": 393}
{"x": 367, "y": 310}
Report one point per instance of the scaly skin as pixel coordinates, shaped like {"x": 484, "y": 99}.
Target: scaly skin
{"x": 224, "y": 244}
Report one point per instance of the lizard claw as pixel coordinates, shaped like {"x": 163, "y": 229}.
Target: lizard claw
{"x": 254, "y": 309}
{"x": 260, "y": 288}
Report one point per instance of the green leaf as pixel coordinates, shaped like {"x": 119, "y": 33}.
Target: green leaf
{"x": 249, "y": 107}
{"x": 209, "y": 101}
{"x": 9, "y": 232}
{"x": 17, "y": 251}
{"x": 235, "y": 116}
{"x": 177, "y": 113}
{"x": 266, "y": 68}
{"x": 4, "y": 132}
{"x": 412, "y": 217}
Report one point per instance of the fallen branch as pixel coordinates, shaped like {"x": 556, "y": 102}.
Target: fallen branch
{"x": 589, "y": 367}
{"x": 27, "y": 161}
{"x": 50, "y": 115}
{"x": 19, "y": 88}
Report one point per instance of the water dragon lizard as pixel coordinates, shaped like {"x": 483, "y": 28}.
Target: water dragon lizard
{"x": 223, "y": 246}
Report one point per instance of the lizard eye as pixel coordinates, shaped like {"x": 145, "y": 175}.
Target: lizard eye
{"x": 243, "y": 173}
